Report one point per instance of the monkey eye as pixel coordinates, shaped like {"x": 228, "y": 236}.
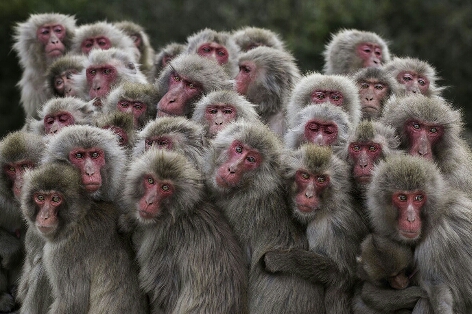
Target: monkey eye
{"x": 102, "y": 42}
{"x": 58, "y": 82}
{"x": 107, "y": 71}
{"x": 244, "y": 68}
{"x": 11, "y": 169}
{"x": 45, "y": 31}
{"x": 93, "y": 72}
{"x": 433, "y": 130}
{"x": 212, "y": 111}
{"x": 251, "y": 159}
{"x": 40, "y": 197}
{"x": 56, "y": 199}
{"x": 364, "y": 85}
{"x": 138, "y": 106}
{"x": 121, "y": 140}
{"x": 407, "y": 77}
{"x": 206, "y": 49}
{"x": 148, "y": 142}
{"x": 131, "y": 66}
{"x": 367, "y": 49}
{"x": 58, "y": 29}
{"x": 95, "y": 155}
{"x": 335, "y": 96}
{"x": 124, "y": 104}
{"x": 402, "y": 197}
{"x": 321, "y": 179}
{"x": 79, "y": 155}
{"x": 355, "y": 147}
{"x": 176, "y": 78}
{"x": 372, "y": 148}
{"x": 227, "y": 111}
{"x": 239, "y": 149}
{"x": 379, "y": 86}
{"x": 191, "y": 85}
{"x": 416, "y": 125}
{"x": 165, "y": 187}
{"x": 150, "y": 180}
{"x": 419, "y": 198}
{"x": 162, "y": 142}
{"x": 305, "y": 175}
{"x": 221, "y": 53}
{"x": 421, "y": 82}
{"x": 320, "y": 95}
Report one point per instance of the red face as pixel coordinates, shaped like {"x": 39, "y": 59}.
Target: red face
{"x": 15, "y": 172}
{"x": 48, "y": 204}
{"x": 62, "y": 83}
{"x": 408, "y": 205}
{"x": 120, "y": 133}
{"x": 179, "y": 96}
{"x": 100, "y": 79}
{"x": 370, "y": 54}
{"x": 241, "y": 159}
{"x": 422, "y": 138}
{"x": 53, "y": 123}
{"x": 322, "y": 133}
{"x": 372, "y": 94}
{"x": 247, "y": 74}
{"x": 135, "y": 108}
{"x": 155, "y": 192}
{"x": 51, "y": 36}
{"x": 219, "y": 116}
{"x": 365, "y": 156}
{"x": 161, "y": 142}
{"x": 322, "y": 96}
{"x": 99, "y": 42}
{"x": 90, "y": 162}
{"x": 309, "y": 189}
{"x": 414, "y": 83}
{"x": 214, "y": 51}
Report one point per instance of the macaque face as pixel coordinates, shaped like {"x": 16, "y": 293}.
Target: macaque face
{"x": 422, "y": 138}
{"x": 370, "y": 54}
{"x": 181, "y": 93}
{"x": 218, "y": 116}
{"x": 120, "y": 133}
{"x": 309, "y": 187}
{"x": 372, "y": 94}
{"x": 365, "y": 156}
{"x": 99, "y": 42}
{"x": 51, "y": 36}
{"x": 160, "y": 142}
{"x": 247, "y": 74}
{"x": 322, "y": 96}
{"x": 322, "y": 133}
{"x": 48, "y": 204}
{"x": 100, "y": 79}
{"x": 63, "y": 85}
{"x": 409, "y": 205}
{"x": 399, "y": 281}
{"x": 90, "y": 161}
{"x": 54, "y": 122}
{"x": 15, "y": 171}
{"x": 414, "y": 83}
{"x": 242, "y": 159}
{"x": 135, "y": 108}
{"x": 156, "y": 192}
{"x": 214, "y": 51}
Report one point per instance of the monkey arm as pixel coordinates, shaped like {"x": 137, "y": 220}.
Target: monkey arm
{"x": 11, "y": 249}
{"x": 390, "y": 299}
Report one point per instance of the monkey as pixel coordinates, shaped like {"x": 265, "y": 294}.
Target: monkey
{"x": 59, "y": 75}
{"x": 189, "y": 258}
{"x": 375, "y": 87}
{"x": 248, "y": 38}
{"x": 80, "y": 237}
{"x": 163, "y": 57}
{"x": 319, "y": 199}
{"x": 122, "y": 125}
{"x": 266, "y": 77}
{"x": 38, "y": 42}
{"x": 413, "y": 76}
{"x": 219, "y": 108}
{"x": 185, "y": 80}
{"x": 350, "y": 50}
{"x": 410, "y": 202}
{"x": 136, "y": 99}
{"x": 96, "y": 153}
{"x": 337, "y": 90}
{"x": 243, "y": 175}
{"x": 218, "y": 46}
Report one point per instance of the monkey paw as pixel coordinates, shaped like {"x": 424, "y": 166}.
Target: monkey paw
{"x": 274, "y": 261}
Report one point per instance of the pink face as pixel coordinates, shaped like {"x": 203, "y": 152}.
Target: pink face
{"x": 422, "y": 138}
{"x": 135, "y": 108}
{"x": 48, "y": 204}
{"x": 155, "y": 191}
{"x": 181, "y": 93}
{"x": 372, "y": 94}
{"x": 53, "y": 123}
{"x": 399, "y": 281}
{"x": 214, "y": 51}
{"x": 52, "y": 36}
{"x": 120, "y": 133}
{"x": 365, "y": 156}
{"x": 309, "y": 188}
{"x": 100, "y": 80}
{"x": 322, "y": 133}
{"x": 409, "y": 205}
{"x": 15, "y": 171}
{"x": 63, "y": 85}
{"x": 218, "y": 116}
{"x": 414, "y": 83}
{"x": 370, "y": 54}
{"x": 241, "y": 159}
{"x": 322, "y": 96}
{"x": 161, "y": 142}
{"x": 247, "y": 74}
{"x": 99, "y": 42}
{"x": 90, "y": 162}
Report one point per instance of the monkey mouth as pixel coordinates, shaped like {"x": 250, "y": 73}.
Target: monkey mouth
{"x": 410, "y": 234}
{"x": 92, "y": 187}
{"x": 365, "y": 178}
{"x": 145, "y": 214}
{"x": 46, "y": 229}
{"x": 97, "y": 102}
{"x": 306, "y": 209}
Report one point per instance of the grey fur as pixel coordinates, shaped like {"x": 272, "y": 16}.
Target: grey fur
{"x": 170, "y": 51}
{"x": 60, "y": 65}
{"x": 247, "y": 37}
{"x": 120, "y": 120}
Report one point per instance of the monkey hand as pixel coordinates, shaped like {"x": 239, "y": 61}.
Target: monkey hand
{"x": 279, "y": 260}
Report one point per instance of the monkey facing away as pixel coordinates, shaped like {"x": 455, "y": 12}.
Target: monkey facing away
{"x": 163, "y": 57}
{"x": 248, "y": 38}
{"x": 122, "y": 125}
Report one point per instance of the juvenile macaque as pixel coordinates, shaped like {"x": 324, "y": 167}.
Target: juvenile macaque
{"x": 60, "y": 72}
{"x": 122, "y": 125}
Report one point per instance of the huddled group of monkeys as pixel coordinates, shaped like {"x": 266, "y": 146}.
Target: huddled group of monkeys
{"x": 214, "y": 177}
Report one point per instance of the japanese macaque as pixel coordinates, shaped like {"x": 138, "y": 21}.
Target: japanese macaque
{"x": 375, "y": 87}
{"x": 218, "y": 46}
{"x": 322, "y": 124}
{"x": 185, "y": 80}
{"x": 141, "y": 41}
{"x": 248, "y": 38}
{"x": 350, "y": 50}
{"x": 136, "y": 99}
{"x": 218, "y": 109}
{"x": 266, "y": 77}
{"x": 38, "y": 42}
{"x": 96, "y": 153}
{"x": 189, "y": 258}
{"x": 413, "y": 76}
{"x": 163, "y": 57}
{"x": 60, "y": 72}
{"x": 173, "y": 133}
{"x": 429, "y": 127}
{"x": 411, "y": 203}
{"x": 58, "y": 113}
{"x": 122, "y": 125}
{"x": 320, "y": 201}
{"x": 243, "y": 173}
{"x": 19, "y": 152}
{"x": 80, "y": 237}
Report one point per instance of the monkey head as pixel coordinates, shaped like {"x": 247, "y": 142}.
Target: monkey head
{"x": 60, "y": 73}
{"x": 248, "y": 38}
{"x": 121, "y": 124}
{"x": 163, "y": 57}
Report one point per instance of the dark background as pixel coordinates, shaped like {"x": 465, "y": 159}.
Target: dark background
{"x": 436, "y": 31}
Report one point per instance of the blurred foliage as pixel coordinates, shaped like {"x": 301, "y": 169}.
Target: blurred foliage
{"x": 439, "y": 32}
